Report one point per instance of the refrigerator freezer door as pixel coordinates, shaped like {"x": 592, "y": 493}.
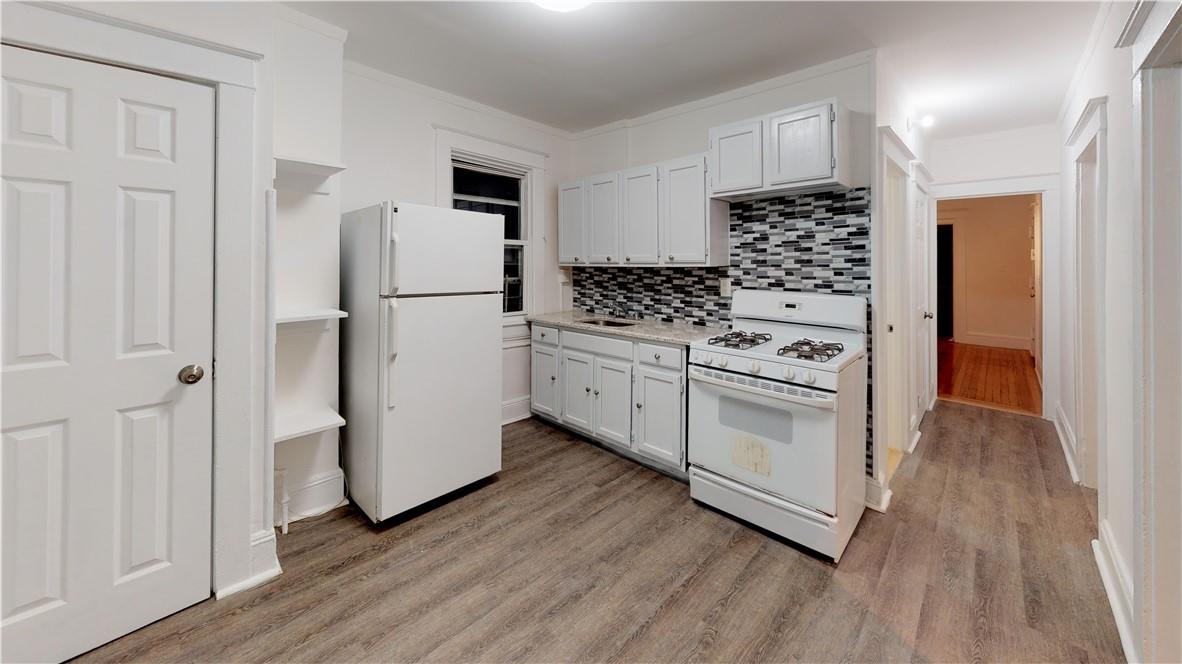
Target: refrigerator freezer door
{"x": 432, "y": 250}
{"x": 441, "y": 425}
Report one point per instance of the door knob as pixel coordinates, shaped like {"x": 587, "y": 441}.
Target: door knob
{"x": 190, "y": 374}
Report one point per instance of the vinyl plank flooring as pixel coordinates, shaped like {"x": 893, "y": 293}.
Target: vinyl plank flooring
{"x": 573, "y": 554}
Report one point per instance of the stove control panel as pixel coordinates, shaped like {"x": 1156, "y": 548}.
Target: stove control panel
{"x": 777, "y": 371}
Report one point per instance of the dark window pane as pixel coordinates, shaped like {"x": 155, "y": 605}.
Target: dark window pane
{"x": 487, "y": 185}
{"x": 514, "y": 297}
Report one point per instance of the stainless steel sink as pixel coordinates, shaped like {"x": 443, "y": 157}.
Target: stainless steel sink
{"x": 606, "y": 322}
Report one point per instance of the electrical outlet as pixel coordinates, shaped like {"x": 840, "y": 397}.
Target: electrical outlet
{"x": 724, "y": 287}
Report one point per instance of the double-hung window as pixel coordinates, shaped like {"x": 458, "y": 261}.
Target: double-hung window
{"x": 481, "y": 189}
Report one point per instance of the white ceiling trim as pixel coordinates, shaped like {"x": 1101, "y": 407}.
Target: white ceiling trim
{"x": 310, "y": 22}
{"x": 784, "y": 80}
{"x": 365, "y": 71}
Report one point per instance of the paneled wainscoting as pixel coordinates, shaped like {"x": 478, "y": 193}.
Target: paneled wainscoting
{"x": 574, "y": 554}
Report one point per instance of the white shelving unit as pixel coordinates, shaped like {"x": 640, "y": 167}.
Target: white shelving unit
{"x": 303, "y": 301}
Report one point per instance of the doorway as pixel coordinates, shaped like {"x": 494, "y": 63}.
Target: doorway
{"x": 988, "y": 301}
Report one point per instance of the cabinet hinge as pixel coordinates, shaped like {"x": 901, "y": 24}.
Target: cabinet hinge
{"x": 833, "y": 162}
{"x": 681, "y": 380}
{"x": 833, "y": 116}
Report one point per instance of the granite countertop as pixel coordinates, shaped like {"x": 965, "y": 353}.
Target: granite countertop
{"x": 644, "y": 330}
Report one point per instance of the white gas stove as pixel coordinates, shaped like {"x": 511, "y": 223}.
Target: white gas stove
{"x": 777, "y": 416}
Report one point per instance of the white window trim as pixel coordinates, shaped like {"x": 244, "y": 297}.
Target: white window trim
{"x": 452, "y": 145}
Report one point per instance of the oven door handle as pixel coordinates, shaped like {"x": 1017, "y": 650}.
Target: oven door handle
{"x": 823, "y": 404}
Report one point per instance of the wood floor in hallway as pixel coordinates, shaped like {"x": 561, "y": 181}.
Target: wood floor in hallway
{"x": 575, "y": 554}
{"x": 995, "y": 377}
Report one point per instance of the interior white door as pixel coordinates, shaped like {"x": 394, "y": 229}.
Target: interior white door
{"x": 572, "y": 225}
{"x": 108, "y": 292}
{"x": 603, "y": 216}
{"x": 639, "y": 216}
{"x": 612, "y": 398}
{"x": 924, "y": 315}
{"x": 800, "y": 145}
{"x": 442, "y": 424}
{"x": 683, "y": 210}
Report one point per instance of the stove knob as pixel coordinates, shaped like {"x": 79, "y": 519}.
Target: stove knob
{"x": 754, "y": 367}
{"x": 810, "y": 377}
{"x": 708, "y": 358}
{"x": 789, "y": 373}
{"x": 722, "y": 361}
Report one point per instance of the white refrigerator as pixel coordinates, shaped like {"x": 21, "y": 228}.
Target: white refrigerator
{"x": 420, "y": 353}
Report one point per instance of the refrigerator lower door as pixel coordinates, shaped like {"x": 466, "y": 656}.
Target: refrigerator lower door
{"x": 432, "y": 250}
{"x": 441, "y": 420}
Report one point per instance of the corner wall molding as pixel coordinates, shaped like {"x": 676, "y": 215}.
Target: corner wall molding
{"x": 1134, "y": 23}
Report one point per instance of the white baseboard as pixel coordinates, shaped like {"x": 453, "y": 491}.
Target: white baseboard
{"x": 878, "y": 498}
{"x": 914, "y": 441}
{"x": 993, "y": 340}
{"x": 1066, "y": 440}
{"x": 514, "y": 410}
{"x": 1119, "y": 595}
{"x": 314, "y": 497}
{"x": 263, "y": 559}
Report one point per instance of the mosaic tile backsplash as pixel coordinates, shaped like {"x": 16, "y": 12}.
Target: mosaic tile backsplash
{"x": 817, "y": 242}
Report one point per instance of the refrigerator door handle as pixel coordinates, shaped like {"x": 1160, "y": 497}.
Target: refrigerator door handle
{"x": 391, "y": 327}
{"x": 392, "y": 267}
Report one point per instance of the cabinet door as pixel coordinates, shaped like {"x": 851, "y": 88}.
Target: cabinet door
{"x": 683, "y": 210}
{"x": 544, "y": 380}
{"x": 576, "y": 376}
{"x": 800, "y": 145}
{"x": 572, "y": 227}
{"x": 613, "y": 401}
{"x": 736, "y": 156}
{"x": 639, "y": 216}
{"x": 603, "y": 217}
{"x": 658, "y": 422}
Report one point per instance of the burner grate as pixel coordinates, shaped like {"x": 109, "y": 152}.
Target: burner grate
{"x": 740, "y": 339}
{"x": 808, "y": 349}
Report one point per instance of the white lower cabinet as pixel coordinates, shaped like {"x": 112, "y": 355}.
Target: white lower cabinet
{"x": 626, "y": 393}
{"x": 577, "y": 375}
{"x": 544, "y": 389}
{"x": 659, "y": 395}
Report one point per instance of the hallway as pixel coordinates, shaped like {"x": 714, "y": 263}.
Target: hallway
{"x": 1002, "y": 378}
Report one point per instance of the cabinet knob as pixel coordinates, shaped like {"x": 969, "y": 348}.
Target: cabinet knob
{"x": 576, "y": 259}
{"x": 671, "y": 257}
{"x": 596, "y": 392}
{"x": 609, "y": 259}
{"x": 627, "y": 259}
{"x": 638, "y": 406}
{"x": 553, "y": 377}
{"x": 543, "y": 335}
{"x": 657, "y": 356}
{"x": 587, "y": 389}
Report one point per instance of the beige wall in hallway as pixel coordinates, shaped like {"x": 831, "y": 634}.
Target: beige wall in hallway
{"x": 994, "y": 273}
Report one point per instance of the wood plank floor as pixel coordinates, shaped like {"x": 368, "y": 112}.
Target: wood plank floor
{"x": 997, "y": 377}
{"x": 574, "y": 554}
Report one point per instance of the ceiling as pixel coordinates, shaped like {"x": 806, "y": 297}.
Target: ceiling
{"x": 976, "y": 66}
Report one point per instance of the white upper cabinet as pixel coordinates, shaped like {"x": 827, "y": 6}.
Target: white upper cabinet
{"x": 683, "y": 210}
{"x": 603, "y": 217}
{"x": 736, "y": 156}
{"x": 572, "y": 229}
{"x": 802, "y": 148}
{"x": 800, "y": 145}
{"x": 639, "y": 218}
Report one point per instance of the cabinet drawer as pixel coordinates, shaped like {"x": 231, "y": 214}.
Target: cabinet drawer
{"x": 597, "y": 345}
{"x": 659, "y": 356}
{"x": 545, "y": 335}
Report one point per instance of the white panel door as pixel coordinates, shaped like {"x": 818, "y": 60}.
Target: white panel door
{"x": 544, "y": 379}
{"x": 603, "y": 217}
{"x": 683, "y": 210}
{"x": 800, "y": 145}
{"x": 658, "y": 397}
{"x": 922, "y": 311}
{"x": 108, "y": 292}
{"x": 572, "y": 225}
{"x": 432, "y": 250}
{"x": 736, "y": 156}
{"x": 612, "y": 397}
{"x": 639, "y": 215}
{"x": 442, "y": 424}
{"x": 577, "y": 377}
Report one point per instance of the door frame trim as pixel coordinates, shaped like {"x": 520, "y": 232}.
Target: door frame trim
{"x": 242, "y": 540}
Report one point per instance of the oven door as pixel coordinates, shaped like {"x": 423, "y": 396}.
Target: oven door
{"x": 766, "y": 434}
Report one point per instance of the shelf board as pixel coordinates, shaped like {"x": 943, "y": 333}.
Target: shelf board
{"x": 293, "y": 173}
{"x": 305, "y": 315}
{"x": 293, "y": 423}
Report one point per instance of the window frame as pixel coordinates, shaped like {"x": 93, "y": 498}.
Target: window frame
{"x": 523, "y": 219}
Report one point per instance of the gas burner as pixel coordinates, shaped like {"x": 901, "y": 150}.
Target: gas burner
{"x": 807, "y": 349}
{"x": 740, "y": 339}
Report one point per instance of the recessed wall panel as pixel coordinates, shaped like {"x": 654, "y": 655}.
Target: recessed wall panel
{"x": 146, "y": 131}
{"x": 36, "y": 114}
{"x": 145, "y": 271}
{"x": 143, "y": 489}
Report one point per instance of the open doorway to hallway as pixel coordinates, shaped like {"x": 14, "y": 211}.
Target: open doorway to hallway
{"x": 989, "y": 301}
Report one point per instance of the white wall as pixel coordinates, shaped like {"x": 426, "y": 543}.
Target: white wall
{"x": 1106, "y": 71}
{"x": 993, "y": 269}
{"x": 682, "y": 130}
{"x": 1005, "y": 154}
{"x": 390, "y": 135}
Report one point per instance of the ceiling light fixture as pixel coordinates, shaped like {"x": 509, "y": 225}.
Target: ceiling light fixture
{"x": 927, "y": 121}
{"x": 562, "y": 5}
